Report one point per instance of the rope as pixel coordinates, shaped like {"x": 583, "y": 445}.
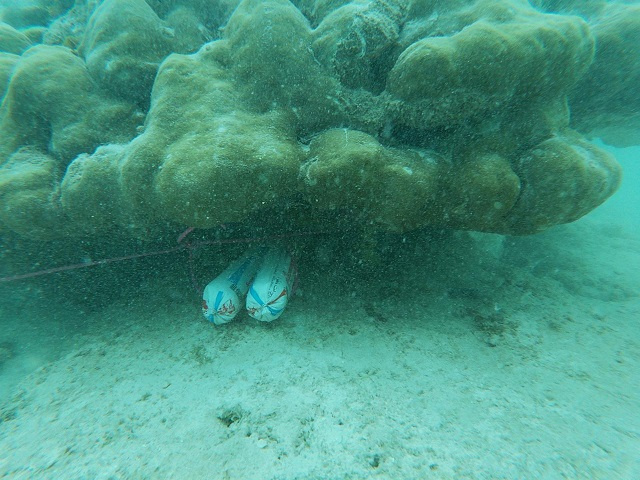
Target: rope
{"x": 181, "y": 246}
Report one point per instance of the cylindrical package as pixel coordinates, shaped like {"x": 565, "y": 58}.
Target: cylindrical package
{"x": 222, "y": 297}
{"x": 272, "y": 286}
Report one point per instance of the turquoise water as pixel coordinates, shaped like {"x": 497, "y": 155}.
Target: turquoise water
{"x": 443, "y": 174}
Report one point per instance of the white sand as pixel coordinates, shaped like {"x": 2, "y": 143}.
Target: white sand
{"x": 516, "y": 359}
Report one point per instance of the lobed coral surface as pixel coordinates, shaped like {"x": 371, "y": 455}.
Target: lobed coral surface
{"x": 468, "y": 114}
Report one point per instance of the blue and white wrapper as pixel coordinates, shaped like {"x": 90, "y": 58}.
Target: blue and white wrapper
{"x": 222, "y": 297}
{"x": 272, "y": 286}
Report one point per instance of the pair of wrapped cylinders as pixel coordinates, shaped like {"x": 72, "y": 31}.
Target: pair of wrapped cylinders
{"x": 267, "y": 274}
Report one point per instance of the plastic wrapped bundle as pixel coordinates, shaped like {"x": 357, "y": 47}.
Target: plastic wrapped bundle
{"x": 272, "y": 287}
{"x": 222, "y": 297}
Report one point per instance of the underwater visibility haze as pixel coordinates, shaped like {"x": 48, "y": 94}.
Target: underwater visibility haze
{"x": 320, "y": 239}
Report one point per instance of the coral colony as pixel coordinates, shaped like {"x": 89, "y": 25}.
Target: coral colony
{"x": 394, "y": 113}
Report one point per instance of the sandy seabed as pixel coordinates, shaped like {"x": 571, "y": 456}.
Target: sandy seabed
{"x": 502, "y": 359}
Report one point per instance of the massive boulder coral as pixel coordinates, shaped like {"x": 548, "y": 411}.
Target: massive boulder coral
{"x": 489, "y": 67}
{"x": 344, "y": 170}
{"x": 201, "y": 160}
{"x": 52, "y": 104}
{"x": 52, "y": 112}
{"x": 11, "y": 40}
{"x": 7, "y": 62}
{"x": 28, "y": 181}
{"x": 563, "y": 175}
{"x": 397, "y": 115}
{"x": 605, "y": 101}
{"x": 124, "y": 43}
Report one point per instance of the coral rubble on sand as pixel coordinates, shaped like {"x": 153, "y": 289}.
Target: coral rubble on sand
{"x": 399, "y": 114}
